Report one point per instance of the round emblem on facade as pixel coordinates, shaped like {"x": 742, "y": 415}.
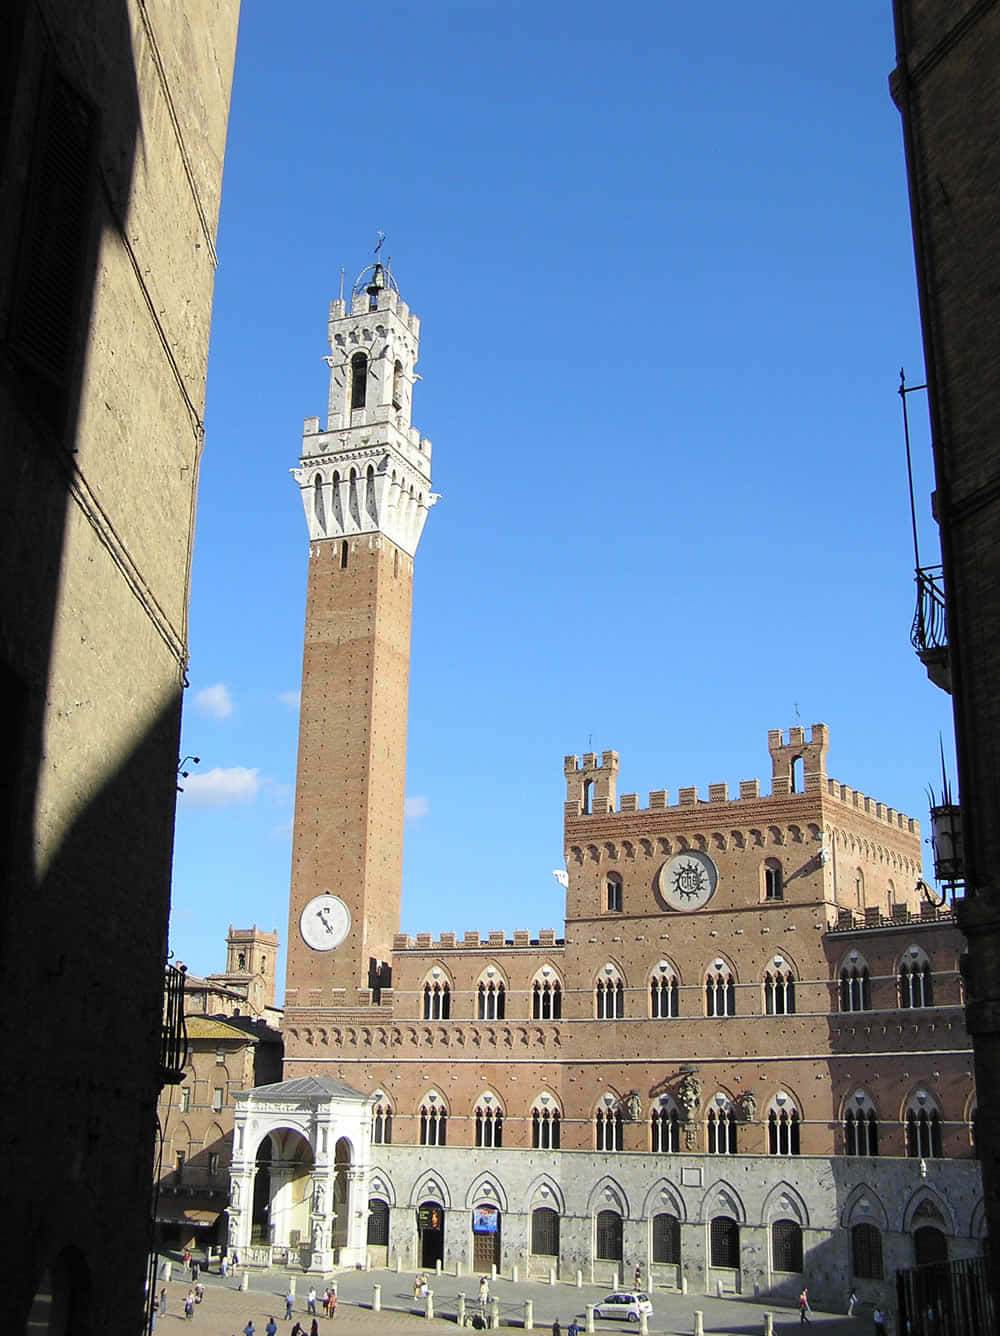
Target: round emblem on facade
{"x": 325, "y": 922}
{"x": 688, "y": 880}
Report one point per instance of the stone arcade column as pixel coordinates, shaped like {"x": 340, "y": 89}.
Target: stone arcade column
{"x": 241, "y": 1177}
{"x": 355, "y": 1249}
{"x": 321, "y": 1219}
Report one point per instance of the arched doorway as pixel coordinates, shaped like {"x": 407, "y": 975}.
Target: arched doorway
{"x": 281, "y": 1190}
{"x": 929, "y": 1245}
{"x": 341, "y": 1166}
{"x": 485, "y": 1238}
{"x": 260, "y": 1219}
{"x": 430, "y": 1234}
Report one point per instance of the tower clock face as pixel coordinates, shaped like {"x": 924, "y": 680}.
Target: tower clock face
{"x": 325, "y": 922}
{"x": 688, "y": 880}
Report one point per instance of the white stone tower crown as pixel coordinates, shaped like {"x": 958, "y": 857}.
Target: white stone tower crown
{"x": 369, "y": 471}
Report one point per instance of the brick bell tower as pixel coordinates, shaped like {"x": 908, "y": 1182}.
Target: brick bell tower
{"x": 365, "y": 483}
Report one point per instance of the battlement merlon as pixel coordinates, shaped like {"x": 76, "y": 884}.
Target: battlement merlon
{"x": 590, "y": 786}
{"x": 388, "y": 300}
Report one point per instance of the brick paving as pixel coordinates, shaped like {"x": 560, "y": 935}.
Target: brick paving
{"x": 227, "y": 1308}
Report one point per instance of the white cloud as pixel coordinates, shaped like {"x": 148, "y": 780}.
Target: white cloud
{"x": 416, "y": 807}
{"x": 290, "y": 698}
{"x": 214, "y": 701}
{"x": 220, "y": 787}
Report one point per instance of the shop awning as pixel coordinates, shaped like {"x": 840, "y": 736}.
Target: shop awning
{"x": 173, "y": 1213}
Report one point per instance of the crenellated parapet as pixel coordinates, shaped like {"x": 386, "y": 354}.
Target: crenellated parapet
{"x": 490, "y": 941}
{"x": 590, "y": 786}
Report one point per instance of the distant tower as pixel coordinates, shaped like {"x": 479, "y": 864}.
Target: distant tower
{"x": 365, "y": 484}
{"x": 250, "y": 960}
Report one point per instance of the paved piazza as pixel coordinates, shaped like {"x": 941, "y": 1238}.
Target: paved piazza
{"x": 226, "y": 1308}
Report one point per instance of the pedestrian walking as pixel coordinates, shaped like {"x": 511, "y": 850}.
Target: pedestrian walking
{"x": 189, "y": 1305}
{"x": 484, "y": 1291}
{"x": 637, "y": 1278}
{"x": 163, "y": 1301}
{"x": 333, "y": 1303}
{"x": 314, "y": 1329}
{"x": 573, "y": 1329}
{"x": 194, "y": 1272}
{"x": 297, "y": 1330}
{"x": 272, "y": 1326}
{"x": 803, "y": 1307}
{"x": 224, "y": 1265}
{"x": 311, "y": 1301}
{"x": 556, "y": 1329}
{"x": 199, "y": 1292}
{"x": 152, "y": 1314}
{"x": 852, "y": 1302}
{"x": 248, "y": 1329}
{"x": 878, "y": 1317}
{"x": 289, "y": 1300}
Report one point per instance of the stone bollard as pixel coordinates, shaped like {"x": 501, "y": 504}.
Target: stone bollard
{"x": 245, "y": 1279}
{"x": 495, "y": 1313}
{"x": 437, "y": 1266}
{"x": 513, "y": 1272}
{"x": 684, "y": 1284}
{"x": 529, "y": 1315}
{"x": 589, "y": 1321}
{"x": 399, "y": 1264}
{"x": 699, "y": 1322}
{"x": 376, "y": 1298}
{"x": 493, "y": 1270}
{"x": 430, "y": 1303}
{"x": 368, "y": 1261}
{"x": 579, "y": 1279}
{"x": 291, "y": 1284}
{"x": 168, "y": 1268}
{"x": 768, "y": 1324}
{"x": 460, "y": 1310}
{"x": 552, "y": 1275}
{"x": 617, "y": 1282}
{"x": 643, "y": 1324}
{"x": 718, "y": 1289}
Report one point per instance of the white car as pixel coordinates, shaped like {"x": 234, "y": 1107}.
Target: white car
{"x": 629, "y": 1303}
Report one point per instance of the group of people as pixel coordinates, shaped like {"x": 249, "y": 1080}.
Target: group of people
{"x": 420, "y": 1286}
{"x": 329, "y": 1307}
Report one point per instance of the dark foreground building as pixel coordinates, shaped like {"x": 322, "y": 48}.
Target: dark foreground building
{"x": 112, "y": 127}
{"x": 947, "y": 87}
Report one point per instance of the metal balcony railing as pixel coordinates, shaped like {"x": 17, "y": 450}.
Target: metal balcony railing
{"x": 929, "y": 631}
{"x": 174, "y": 1041}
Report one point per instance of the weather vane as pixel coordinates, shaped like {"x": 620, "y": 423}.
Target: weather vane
{"x": 380, "y": 237}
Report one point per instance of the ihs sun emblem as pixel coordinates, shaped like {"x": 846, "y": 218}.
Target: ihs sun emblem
{"x": 690, "y": 881}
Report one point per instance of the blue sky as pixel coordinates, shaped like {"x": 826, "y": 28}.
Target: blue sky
{"x": 663, "y": 264}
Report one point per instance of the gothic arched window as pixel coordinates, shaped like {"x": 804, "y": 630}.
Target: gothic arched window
{"x": 916, "y": 985}
{"x": 923, "y": 1128}
{"x": 855, "y": 984}
{"x": 433, "y": 1124}
{"x": 544, "y": 1125}
{"x": 437, "y": 1000}
{"x": 664, "y": 993}
{"x": 491, "y": 1000}
{"x": 359, "y": 381}
{"x": 546, "y": 999}
{"x": 860, "y": 1126}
